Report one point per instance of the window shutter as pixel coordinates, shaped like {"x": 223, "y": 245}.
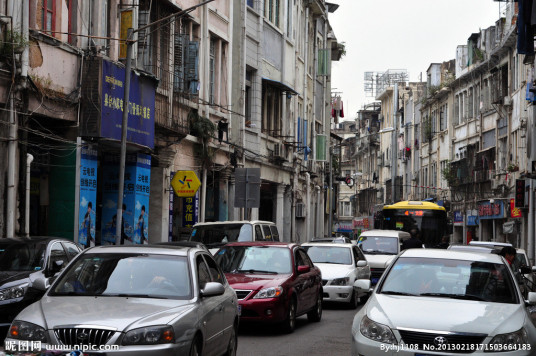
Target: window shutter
{"x": 179, "y": 65}
{"x": 192, "y": 66}
{"x": 144, "y": 41}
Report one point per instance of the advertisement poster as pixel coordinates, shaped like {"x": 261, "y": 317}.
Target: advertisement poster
{"x": 109, "y": 199}
{"x": 140, "y": 106}
{"x": 190, "y": 211}
{"x": 142, "y": 188}
{"x": 88, "y": 195}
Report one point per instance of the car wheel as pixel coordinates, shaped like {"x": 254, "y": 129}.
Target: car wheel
{"x": 195, "y": 349}
{"x": 290, "y": 322}
{"x": 316, "y": 313}
{"x": 231, "y": 347}
{"x": 354, "y": 301}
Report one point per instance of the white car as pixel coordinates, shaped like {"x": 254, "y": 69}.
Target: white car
{"x": 341, "y": 265}
{"x": 441, "y": 302}
{"x": 381, "y": 248}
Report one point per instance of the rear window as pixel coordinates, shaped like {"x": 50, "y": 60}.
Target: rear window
{"x": 275, "y": 233}
{"x": 220, "y": 234}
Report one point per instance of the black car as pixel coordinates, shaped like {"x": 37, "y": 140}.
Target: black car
{"x": 26, "y": 265}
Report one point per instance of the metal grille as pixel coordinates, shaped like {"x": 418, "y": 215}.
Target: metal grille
{"x": 242, "y": 294}
{"x": 424, "y": 338}
{"x": 83, "y": 336}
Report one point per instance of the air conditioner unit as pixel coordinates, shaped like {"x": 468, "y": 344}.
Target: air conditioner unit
{"x": 311, "y": 166}
{"x": 300, "y": 210}
{"x": 278, "y": 150}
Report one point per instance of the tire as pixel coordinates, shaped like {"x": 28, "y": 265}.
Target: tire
{"x": 315, "y": 314}
{"x": 195, "y": 349}
{"x": 233, "y": 343}
{"x": 354, "y": 301}
{"x": 290, "y": 322}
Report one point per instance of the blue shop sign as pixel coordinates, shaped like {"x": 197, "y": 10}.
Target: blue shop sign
{"x": 487, "y": 210}
{"x": 472, "y": 220}
{"x": 458, "y": 217}
{"x": 140, "y": 108}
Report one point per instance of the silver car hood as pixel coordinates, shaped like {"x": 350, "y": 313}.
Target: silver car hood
{"x": 117, "y": 312}
{"x": 442, "y": 314}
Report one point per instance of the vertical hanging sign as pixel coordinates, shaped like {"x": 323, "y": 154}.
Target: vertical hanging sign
{"x": 190, "y": 211}
{"x": 141, "y": 197}
{"x": 126, "y": 23}
{"x": 88, "y": 195}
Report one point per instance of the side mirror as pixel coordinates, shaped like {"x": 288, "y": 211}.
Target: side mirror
{"x": 303, "y": 269}
{"x": 41, "y": 283}
{"x": 363, "y": 284}
{"x": 212, "y": 289}
{"x": 531, "y": 298}
{"x": 361, "y": 263}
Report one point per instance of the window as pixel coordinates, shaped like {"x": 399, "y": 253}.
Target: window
{"x": 212, "y": 69}
{"x": 275, "y": 233}
{"x": 443, "y": 117}
{"x": 57, "y": 253}
{"x": 48, "y": 15}
{"x": 289, "y": 18}
{"x": 456, "y": 120}
{"x": 272, "y": 10}
{"x": 271, "y": 111}
{"x": 258, "y": 233}
{"x": 203, "y": 274}
{"x": 250, "y": 3}
{"x": 215, "y": 272}
{"x": 267, "y": 232}
{"x": 248, "y": 101}
{"x": 71, "y": 249}
{"x": 345, "y": 208}
{"x": 185, "y": 61}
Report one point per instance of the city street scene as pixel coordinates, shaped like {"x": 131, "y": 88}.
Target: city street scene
{"x": 267, "y": 177}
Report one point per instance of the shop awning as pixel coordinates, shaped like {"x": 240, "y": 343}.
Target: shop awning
{"x": 281, "y": 86}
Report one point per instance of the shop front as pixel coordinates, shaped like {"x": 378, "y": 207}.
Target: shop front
{"x": 491, "y": 216}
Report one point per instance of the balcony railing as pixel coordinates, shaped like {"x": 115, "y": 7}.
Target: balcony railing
{"x": 483, "y": 175}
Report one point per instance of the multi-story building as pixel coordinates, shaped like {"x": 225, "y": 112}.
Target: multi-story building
{"x": 214, "y": 86}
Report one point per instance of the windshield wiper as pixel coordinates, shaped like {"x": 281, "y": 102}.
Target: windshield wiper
{"x": 254, "y": 271}
{"x": 454, "y": 296}
{"x": 392, "y": 292}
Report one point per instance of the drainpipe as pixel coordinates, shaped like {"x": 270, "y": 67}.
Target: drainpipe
{"x": 307, "y": 206}
{"x": 29, "y": 159}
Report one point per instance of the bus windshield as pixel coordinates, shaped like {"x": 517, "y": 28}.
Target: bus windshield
{"x": 431, "y": 223}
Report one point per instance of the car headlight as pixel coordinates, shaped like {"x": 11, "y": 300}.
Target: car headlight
{"x": 151, "y": 335}
{"x": 22, "y": 330}
{"x": 509, "y": 341}
{"x": 272, "y": 292}
{"x": 14, "y": 292}
{"x": 340, "y": 281}
{"x": 376, "y": 331}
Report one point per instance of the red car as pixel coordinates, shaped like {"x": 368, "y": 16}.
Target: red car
{"x": 275, "y": 282}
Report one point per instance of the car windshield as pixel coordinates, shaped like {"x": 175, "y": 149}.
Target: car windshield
{"x": 220, "y": 234}
{"x": 126, "y": 275}
{"x": 22, "y": 256}
{"x": 329, "y": 254}
{"x": 447, "y": 278}
{"x": 254, "y": 259}
{"x": 374, "y": 245}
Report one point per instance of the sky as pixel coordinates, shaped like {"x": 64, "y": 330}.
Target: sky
{"x": 391, "y": 34}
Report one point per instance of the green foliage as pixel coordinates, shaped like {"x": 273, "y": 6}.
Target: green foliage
{"x": 204, "y": 129}
{"x": 449, "y": 174}
{"x": 13, "y": 42}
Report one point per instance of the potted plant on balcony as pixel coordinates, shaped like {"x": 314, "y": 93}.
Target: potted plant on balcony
{"x": 512, "y": 167}
{"x": 407, "y": 152}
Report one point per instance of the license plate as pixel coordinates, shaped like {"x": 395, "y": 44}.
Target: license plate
{"x": 239, "y": 310}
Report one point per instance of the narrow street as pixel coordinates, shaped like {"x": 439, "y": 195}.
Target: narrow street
{"x": 332, "y": 335}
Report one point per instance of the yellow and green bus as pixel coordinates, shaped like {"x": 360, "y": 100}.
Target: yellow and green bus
{"x": 429, "y": 218}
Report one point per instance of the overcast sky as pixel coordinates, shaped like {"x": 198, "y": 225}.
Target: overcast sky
{"x": 391, "y": 34}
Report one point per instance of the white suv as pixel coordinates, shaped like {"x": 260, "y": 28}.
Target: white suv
{"x": 381, "y": 248}
{"x": 216, "y": 234}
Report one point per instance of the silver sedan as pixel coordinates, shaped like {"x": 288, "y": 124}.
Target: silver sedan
{"x": 134, "y": 300}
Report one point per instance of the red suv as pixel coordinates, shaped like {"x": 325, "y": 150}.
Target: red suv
{"x": 275, "y": 282}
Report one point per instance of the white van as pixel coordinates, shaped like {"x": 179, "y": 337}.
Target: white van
{"x": 216, "y": 234}
{"x": 381, "y": 248}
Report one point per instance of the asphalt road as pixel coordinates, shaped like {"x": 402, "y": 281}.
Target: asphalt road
{"x": 330, "y": 336}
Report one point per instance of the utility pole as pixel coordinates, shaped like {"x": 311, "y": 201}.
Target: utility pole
{"x": 124, "y": 124}
{"x": 330, "y": 228}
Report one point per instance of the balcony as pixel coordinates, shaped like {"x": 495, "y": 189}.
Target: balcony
{"x": 483, "y": 175}
{"x": 169, "y": 123}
